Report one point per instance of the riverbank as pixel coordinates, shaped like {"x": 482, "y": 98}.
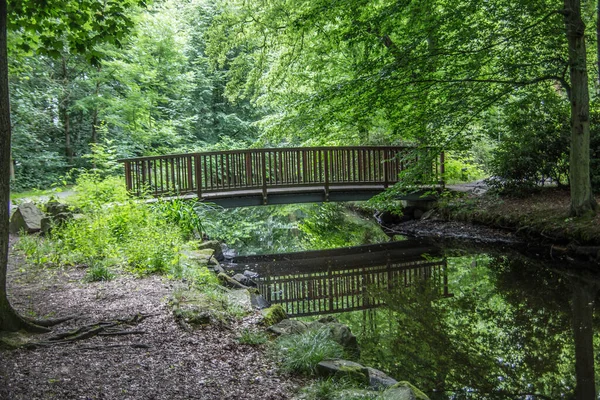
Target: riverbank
{"x": 541, "y": 215}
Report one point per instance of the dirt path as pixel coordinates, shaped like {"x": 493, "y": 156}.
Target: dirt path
{"x": 165, "y": 362}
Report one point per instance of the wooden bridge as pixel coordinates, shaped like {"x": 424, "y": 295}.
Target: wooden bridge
{"x": 278, "y": 176}
{"x": 342, "y": 280}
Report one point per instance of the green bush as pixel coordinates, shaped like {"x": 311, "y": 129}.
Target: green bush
{"x": 182, "y": 213}
{"x": 535, "y": 145}
{"x": 302, "y": 352}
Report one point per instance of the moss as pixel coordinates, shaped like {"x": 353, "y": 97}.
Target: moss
{"x": 419, "y": 395}
{"x": 14, "y": 340}
{"x": 273, "y": 315}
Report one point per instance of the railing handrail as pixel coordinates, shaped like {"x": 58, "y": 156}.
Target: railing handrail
{"x": 270, "y": 149}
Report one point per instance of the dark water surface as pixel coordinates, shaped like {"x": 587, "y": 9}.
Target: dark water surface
{"x": 459, "y": 323}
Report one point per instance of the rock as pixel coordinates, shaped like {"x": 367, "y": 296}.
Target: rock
{"x": 273, "y": 315}
{"x": 403, "y": 391}
{"x": 427, "y": 214}
{"x": 215, "y": 246}
{"x": 228, "y": 281}
{"x": 378, "y": 380}
{"x": 201, "y": 257}
{"x": 258, "y": 301}
{"x": 217, "y": 269}
{"x": 243, "y": 279}
{"x": 46, "y": 225}
{"x": 340, "y": 333}
{"x": 27, "y": 218}
{"x": 241, "y": 298}
{"x": 288, "y": 327}
{"x": 355, "y": 394}
{"x": 53, "y": 208}
{"x": 343, "y": 369}
{"x": 228, "y": 254}
{"x": 251, "y": 274}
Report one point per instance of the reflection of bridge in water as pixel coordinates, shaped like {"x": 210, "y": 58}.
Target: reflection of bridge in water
{"x": 340, "y": 280}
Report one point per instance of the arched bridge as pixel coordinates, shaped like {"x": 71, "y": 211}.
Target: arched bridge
{"x": 279, "y": 175}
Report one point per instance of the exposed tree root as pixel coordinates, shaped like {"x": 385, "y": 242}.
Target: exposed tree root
{"x": 103, "y": 328}
{"x": 49, "y": 322}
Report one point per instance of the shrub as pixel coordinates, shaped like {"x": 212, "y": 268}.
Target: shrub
{"x": 183, "y": 214}
{"x": 302, "y": 352}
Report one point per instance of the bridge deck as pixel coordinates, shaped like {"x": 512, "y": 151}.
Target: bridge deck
{"x": 279, "y": 176}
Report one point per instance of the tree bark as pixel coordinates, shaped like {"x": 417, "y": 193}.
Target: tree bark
{"x": 64, "y": 105}
{"x": 9, "y": 320}
{"x": 582, "y": 199}
{"x": 582, "y": 308}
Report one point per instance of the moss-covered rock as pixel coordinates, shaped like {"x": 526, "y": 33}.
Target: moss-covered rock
{"x": 404, "y": 391}
{"x": 343, "y": 369}
{"x": 214, "y": 246}
{"x": 273, "y": 315}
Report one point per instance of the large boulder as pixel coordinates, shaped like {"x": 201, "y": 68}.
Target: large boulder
{"x": 201, "y": 257}
{"x": 240, "y": 298}
{"x": 403, "y": 391}
{"x": 215, "y": 246}
{"x": 273, "y": 315}
{"x": 27, "y": 218}
{"x": 378, "y": 380}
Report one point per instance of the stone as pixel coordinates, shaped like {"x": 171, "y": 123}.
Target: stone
{"x": 228, "y": 254}
{"x": 217, "y": 269}
{"x": 215, "y": 246}
{"x": 243, "y": 279}
{"x": 273, "y": 315}
{"x": 339, "y": 333}
{"x": 251, "y": 274}
{"x": 53, "y": 208}
{"x": 339, "y": 368}
{"x": 258, "y": 301}
{"x": 201, "y": 257}
{"x": 378, "y": 380}
{"x": 241, "y": 298}
{"x": 288, "y": 327}
{"x": 46, "y": 225}
{"x": 228, "y": 281}
{"x": 355, "y": 394}
{"x": 403, "y": 391}
{"x": 427, "y": 214}
{"x": 27, "y": 218}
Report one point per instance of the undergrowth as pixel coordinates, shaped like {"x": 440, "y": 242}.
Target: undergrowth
{"x": 112, "y": 229}
{"x": 302, "y": 352}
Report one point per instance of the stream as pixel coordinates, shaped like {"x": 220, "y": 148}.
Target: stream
{"x": 458, "y": 320}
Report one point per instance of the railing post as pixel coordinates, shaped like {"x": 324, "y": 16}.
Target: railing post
{"x": 386, "y": 178}
{"x": 198, "y": 173}
{"x": 264, "y": 176}
{"x": 128, "y": 180}
{"x": 326, "y": 166}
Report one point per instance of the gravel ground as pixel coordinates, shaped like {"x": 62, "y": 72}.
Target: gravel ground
{"x": 165, "y": 362}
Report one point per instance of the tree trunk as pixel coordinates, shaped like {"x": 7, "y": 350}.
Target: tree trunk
{"x": 582, "y": 307}
{"x": 64, "y": 106}
{"x": 9, "y": 320}
{"x": 582, "y": 199}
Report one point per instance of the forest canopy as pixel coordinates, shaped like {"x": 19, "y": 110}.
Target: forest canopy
{"x": 490, "y": 83}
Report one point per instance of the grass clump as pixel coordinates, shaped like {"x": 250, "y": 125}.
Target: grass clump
{"x": 97, "y": 273}
{"x": 253, "y": 337}
{"x": 300, "y": 353}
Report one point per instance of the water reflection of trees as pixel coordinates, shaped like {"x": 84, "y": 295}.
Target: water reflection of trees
{"x": 505, "y": 334}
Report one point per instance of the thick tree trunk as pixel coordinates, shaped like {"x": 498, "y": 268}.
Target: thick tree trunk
{"x": 583, "y": 307}
{"x": 582, "y": 199}
{"x": 9, "y": 320}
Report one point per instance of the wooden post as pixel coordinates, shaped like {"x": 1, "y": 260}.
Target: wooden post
{"x": 198, "y": 173}
{"x": 386, "y": 177}
{"x": 128, "y": 182}
{"x": 326, "y": 166}
{"x": 264, "y": 176}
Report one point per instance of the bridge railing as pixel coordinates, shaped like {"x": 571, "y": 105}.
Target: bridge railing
{"x": 263, "y": 169}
